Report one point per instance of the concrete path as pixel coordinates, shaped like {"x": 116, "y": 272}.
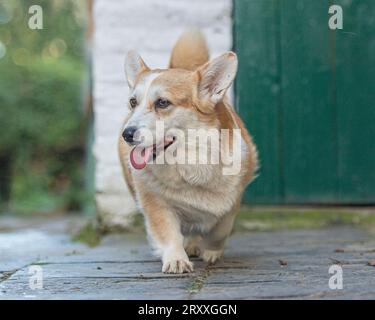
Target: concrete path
{"x": 261, "y": 265}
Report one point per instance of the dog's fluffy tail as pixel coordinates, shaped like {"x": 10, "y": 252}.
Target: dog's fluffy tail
{"x": 190, "y": 51}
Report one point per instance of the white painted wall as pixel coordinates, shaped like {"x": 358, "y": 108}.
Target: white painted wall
{"x": 151, "y": 27}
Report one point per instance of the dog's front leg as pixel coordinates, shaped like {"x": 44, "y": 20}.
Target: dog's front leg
{"x": 164, "y": 230}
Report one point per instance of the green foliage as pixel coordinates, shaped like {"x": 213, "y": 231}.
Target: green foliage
{"x": 42, "y": 123}
{"x": 89, "y": 234}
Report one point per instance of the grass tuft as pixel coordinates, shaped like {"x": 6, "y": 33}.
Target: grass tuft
{"x": 264, "y": 219}
{"x": 88, "y": 234}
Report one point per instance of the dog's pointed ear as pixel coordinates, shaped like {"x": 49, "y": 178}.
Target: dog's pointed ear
{"x": 134, "y": 65}
{"x": 216, "y": 76}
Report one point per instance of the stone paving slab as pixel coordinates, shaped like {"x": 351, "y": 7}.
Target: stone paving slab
{"x": 257, "y": 265}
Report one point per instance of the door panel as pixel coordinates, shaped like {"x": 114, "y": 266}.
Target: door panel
{"x": 307, "y": 95}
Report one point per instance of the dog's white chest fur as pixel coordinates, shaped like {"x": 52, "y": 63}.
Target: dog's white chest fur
{"x": 199, "y": 194}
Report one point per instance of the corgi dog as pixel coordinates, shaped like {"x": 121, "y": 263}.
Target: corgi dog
{"x": 189, "y": 207}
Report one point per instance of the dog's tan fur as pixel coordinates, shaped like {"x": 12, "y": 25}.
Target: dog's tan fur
{"x": 188, "y": 209}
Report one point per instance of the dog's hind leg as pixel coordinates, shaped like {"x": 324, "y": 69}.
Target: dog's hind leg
{"x": 214, "y": 241}
{"x": 192, "y": 245}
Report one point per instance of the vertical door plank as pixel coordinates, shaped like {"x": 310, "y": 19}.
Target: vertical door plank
{"x": 257, "y": 90}
{"x": 308, "y": 107}
{"x": 356, "y": 102}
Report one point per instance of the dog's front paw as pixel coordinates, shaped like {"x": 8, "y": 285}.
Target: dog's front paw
{"x": 211, "y": 256}
{"x": 177, "y": 266}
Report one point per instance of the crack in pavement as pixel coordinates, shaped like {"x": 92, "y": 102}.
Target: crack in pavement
{"x": 199, "y": 282}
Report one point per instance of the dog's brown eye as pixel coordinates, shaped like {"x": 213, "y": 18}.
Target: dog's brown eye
{"x": 162, "y": 103}
{"x": 133, "y": 102}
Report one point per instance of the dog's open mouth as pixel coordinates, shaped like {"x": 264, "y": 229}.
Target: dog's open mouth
{"x": 140, "y": 156}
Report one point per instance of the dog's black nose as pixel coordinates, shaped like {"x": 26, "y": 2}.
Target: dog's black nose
{"x": 128, "y": 134}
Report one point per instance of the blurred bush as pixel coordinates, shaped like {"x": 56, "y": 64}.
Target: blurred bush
{"x": 43, "y": 77}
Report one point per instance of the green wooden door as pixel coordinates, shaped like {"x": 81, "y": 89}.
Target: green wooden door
{"x": 307, "y": 95}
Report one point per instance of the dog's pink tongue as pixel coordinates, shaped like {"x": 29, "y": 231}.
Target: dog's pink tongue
{"x": 140, "y": 156}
